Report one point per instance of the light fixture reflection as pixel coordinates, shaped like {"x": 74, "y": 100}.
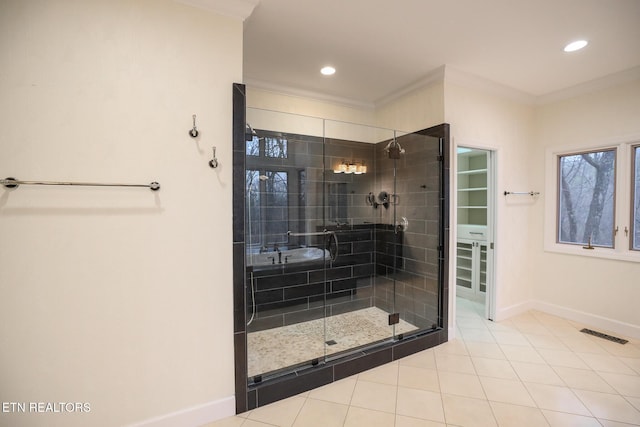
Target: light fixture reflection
{"x": 355, "y": 168}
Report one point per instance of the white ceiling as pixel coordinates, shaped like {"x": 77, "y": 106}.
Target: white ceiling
{"x": 380, "y": 47}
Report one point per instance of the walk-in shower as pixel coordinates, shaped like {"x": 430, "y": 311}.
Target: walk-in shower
{"x": 343, "y": 250}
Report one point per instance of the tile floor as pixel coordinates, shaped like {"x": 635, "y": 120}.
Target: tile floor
{"x": 530, "y": 370}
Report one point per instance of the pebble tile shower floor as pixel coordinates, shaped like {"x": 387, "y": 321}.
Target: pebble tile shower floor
{"x": 277, "y": 348}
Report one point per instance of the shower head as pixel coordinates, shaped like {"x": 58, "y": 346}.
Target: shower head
{"x": 394, "y": 149}
{"x": 249, "y": 133}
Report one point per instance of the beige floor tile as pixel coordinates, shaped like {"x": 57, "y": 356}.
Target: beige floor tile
{"x": 461, "y": 384}
{"x": 385, "y": 374}
{"x": 226, "y": 422}
{"x": 506, "y": 391}
{"x": 253, "y": 423}
{"x": 319, "y": 413}
{"x": 376, "y": 396}
{"x": 358, "y": 417}
{"x": 627, "y": 385}
{"x": 582, "y": 344}
{"x": 502, "y": 326}
{"x": 633, "y": 363}
{"x": 494, "y": 368}
{"x": 609, "y": 423}
{"x": 609, "y": 406}
{"x": 477, "y": 335}
{"x": 556, "y": 398}
{"x": 606, "y": 363}
{"x": 463, "y": 411}
{"x": 424, "y": 359}
{"x": 509, "y": 415}
{"x": 533, "y": 328}
{"x": 620, "y": 350}
{"x": 548, "y": 319}
{"x": 454, "y": 363}
{"x": 536, "y": 373}
{"x": 482, "y": 349}
{"x": 404, "y": 421}
{"x": 527, "y": 317}
{"x": 562, "y": 358}
{"x": 511, "y": 338}
{"x": 420, "y": 404}
{"x": 282, "y": 413}
{"x": 566, "y": 330}
{"x": 583, "y": 379}
{"x": 635, "y": 401}
{"x": 470, "y": 322}
{"x": 337, "y": 392}
{"x": 560, "y": 419}
{"x": 518, "y": 353}
{"x": 545, "y": 341}
{"x": 423, "y": 379}
{"x": 455, "y": 346}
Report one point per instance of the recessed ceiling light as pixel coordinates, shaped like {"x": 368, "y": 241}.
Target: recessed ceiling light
{"x": 576, "y": 45}
{"x": 328, "y": 70}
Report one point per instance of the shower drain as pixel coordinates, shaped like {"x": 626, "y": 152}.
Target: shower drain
{"x": 605, "y": 336}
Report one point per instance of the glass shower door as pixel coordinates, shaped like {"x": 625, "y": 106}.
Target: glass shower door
{"x": 417, "y": 227}
{"x": 358, "y": 185}
{"x": 286, "y": 249}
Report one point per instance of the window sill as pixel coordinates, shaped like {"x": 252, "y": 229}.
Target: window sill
{"x": 596, "y": 252}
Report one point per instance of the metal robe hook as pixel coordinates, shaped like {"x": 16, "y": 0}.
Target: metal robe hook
{"x": 213, "y": 162}
{"x": 194, "y": 131}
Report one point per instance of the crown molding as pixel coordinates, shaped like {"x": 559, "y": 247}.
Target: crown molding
{"x": 434, "y": 76}
{"x": 615, "y": 79}
{"x": 241, "y": 9}
{"x": 318, "y": 96}
{"x": 472, "y": 81}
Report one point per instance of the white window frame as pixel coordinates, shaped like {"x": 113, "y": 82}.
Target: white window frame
{"x": 622, "y": 244}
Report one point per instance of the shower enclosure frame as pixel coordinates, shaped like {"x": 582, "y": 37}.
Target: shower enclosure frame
{"x": 251, "y": 396}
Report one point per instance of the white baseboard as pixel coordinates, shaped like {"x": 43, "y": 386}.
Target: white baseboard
{"x": 512, "y": 310}
{"x": 451, "y": 333}
{"x": 604, "y": 324}
{"x": 194, "y": 416}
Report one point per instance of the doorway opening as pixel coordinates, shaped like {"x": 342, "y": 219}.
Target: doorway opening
{"x": 475, "y": 192}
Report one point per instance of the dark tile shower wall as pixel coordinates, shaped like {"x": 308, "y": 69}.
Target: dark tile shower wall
{"x": 417, "y": 185}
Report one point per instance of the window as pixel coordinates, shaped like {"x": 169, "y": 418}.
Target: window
{"x": 267, "y": 206}
{"x": 269, "y": 146}
{"x": 635, "y": 205}
{"x": 586, "y": 198}
{"x": 268, "y": 188}
{"x": 593, "y": 201}
{"x": 275, "y": 147}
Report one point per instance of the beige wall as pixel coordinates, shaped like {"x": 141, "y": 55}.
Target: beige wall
{"x": 601, "y": 288}
{"x": 121, "y": 298}
{"x": 305, "y": 106}
{"x": 417, "y": 110}
{"x": 485, "y": 120}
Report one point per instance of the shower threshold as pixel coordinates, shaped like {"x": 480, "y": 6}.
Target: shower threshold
{"x": 274, "y": 349}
